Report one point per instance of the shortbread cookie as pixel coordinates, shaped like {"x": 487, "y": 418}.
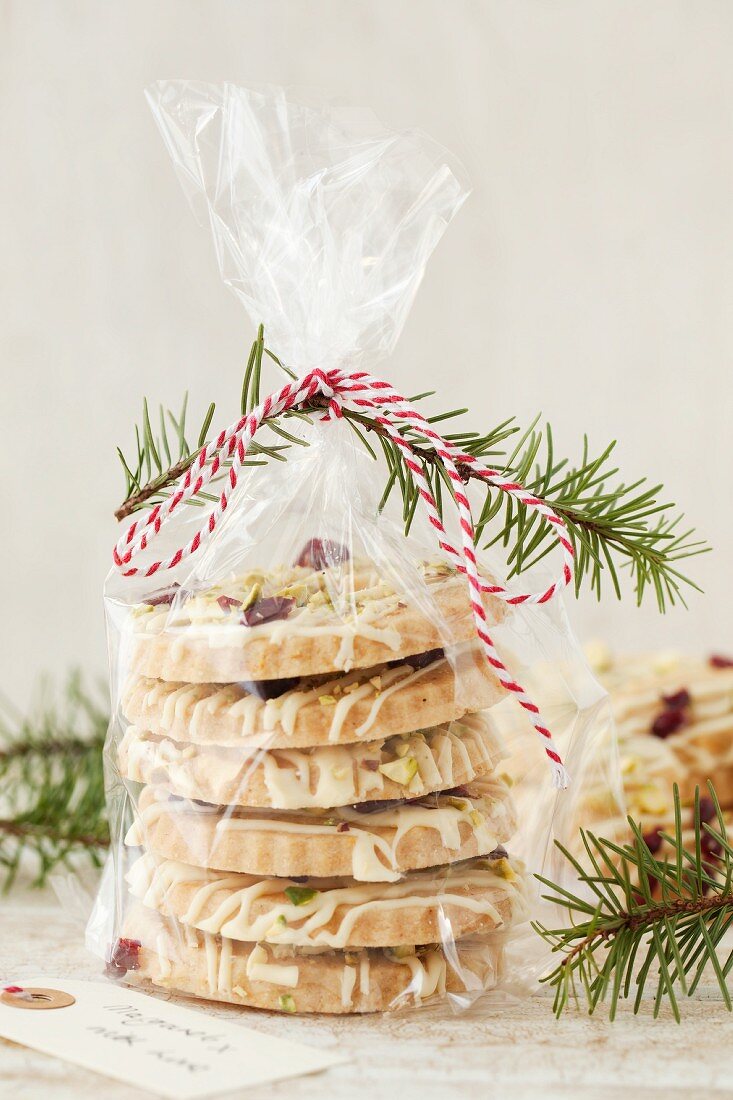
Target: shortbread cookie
{"x": 683, "y": 702}
{"x": 281, "y": 979}
{"x": 368, "y": 844}
{"x": 358, "y": 706}
{"x": 299, "y": 622}
{"x": 294, "y": 779}
{"x": 480, "y": 895}
{"x": 649, "y": 769}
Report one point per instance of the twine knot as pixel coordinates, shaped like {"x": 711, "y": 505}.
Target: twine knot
{"x": 378, "y": 401}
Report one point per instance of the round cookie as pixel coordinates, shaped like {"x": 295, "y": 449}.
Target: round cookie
{"x": 335, "y": 982}
{"x": 338, "y": 775}
{"x": 369, "y": 847}
{"x": 357, "y": 706}
{"x": 480, "y": 895}
{"x": 298, "y": 622}
{"x": 682, "y": 703}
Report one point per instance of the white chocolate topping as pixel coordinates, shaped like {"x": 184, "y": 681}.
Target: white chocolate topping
{"x": 321, "y": 777}
{"x": 375, "y": 838}
{"x": 326, "y": 912}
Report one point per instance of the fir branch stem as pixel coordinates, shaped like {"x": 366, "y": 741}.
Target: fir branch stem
{"x": 646, "y": 920}
{"x": 26, "y": 831}
{"x": 52, "y": 785}
{"x": 156, "y": 485}
{"x": 610, "y": 524}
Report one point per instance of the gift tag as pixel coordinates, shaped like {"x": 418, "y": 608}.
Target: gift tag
{"x": 182, "y": 1053}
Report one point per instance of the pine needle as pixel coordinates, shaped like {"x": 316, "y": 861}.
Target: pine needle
{"x": 618, "y": 529}
{"x": 676, "y": 931}
{"x": 51, "y": 783}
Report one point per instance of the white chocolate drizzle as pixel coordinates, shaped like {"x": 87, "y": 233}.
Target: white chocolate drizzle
{"x": 317, "y": 778}
{"x": 348, "y": 981}
{"x": 260, "y": 970}
{"x": 167, "y": 706}
{"x": 328, "y": 918}
{"x": 374, "y": 839}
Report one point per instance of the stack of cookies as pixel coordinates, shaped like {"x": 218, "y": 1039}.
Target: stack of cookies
{"x": 318, "y": 820}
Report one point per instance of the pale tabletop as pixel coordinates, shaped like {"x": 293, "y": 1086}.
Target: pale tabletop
{"x": 516, "y": 1050}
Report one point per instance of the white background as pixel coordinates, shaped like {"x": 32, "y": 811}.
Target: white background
{"x": 589, "y": 275}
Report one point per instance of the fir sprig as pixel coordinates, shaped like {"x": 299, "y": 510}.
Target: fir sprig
{"x": 51, "y": 783}
{"x": 645, "y": 925}
{"x": 612, "y": 523}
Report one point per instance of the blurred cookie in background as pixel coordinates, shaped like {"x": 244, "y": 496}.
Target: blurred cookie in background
{"x": 683, "y": 707}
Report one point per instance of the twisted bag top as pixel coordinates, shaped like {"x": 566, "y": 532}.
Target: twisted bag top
{"x": 323, "y": 223}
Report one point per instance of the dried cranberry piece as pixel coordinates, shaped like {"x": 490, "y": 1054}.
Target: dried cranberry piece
{"x": 13, "y": 989}
{"x": 370, "y": 765}
{"x": 298, "y": 878}
{"x": 653, "y": 841}
{"x": 343, "y": 827}
{"x": 321, "y": 553}
{"x": 269, "y": 689}
{"x": 499, "y": 853}
{"x": 125, "y": 955}
{"x": 227, "y": 602}
{"x": 419, "y": 660}
{"x": 377, "y": 805}
{"x": 707, "y": 809}
{"x": 668, "y": 722}
{"x": 717, "y": 660}
{"x": 164, "y": 597}
{"x": 678, "y": 701}
{"x": 268, "y": 610}
{"x": 711, "y": 846}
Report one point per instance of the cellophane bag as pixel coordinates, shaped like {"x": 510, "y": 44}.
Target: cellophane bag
{"x": 321, "y": 797}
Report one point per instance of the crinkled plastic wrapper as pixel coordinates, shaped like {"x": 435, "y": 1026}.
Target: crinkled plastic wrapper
{"x": 321, "y": 797}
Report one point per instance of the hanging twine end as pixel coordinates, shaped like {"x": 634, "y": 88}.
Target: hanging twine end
{"x": 560, "y": 777}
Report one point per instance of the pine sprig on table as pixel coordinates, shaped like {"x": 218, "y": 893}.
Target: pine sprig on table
{"x": 612, "y": 524}
{"x": 654, "y": 926}
{"x": 51, "y": 783}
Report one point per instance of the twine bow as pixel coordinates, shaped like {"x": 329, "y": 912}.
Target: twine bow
{"x": 380, "y": 402}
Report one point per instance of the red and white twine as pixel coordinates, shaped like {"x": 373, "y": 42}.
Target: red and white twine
{"x": 380, "y": 402}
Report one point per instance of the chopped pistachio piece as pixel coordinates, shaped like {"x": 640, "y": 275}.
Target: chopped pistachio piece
{"x": 476, "y": 818}
{"x": 287, "y": 1002}
{"x": 665, "y": 661}
{"x": 252, "y": 596}
{"x": 651, "y": 801}
{"x": 400, "y": 771}
{"x": 458, "y": 803}
{"x": 299, "y": 895}
{"x": 327, "y": 700}
{"x": 297, "y": 592}
{"x": 503, "y": 868}
{"x": 628, "y": 764}
{"x": 141, "y": 609}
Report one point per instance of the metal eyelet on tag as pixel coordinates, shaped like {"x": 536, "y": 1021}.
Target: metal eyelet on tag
{"x": 35, "y": 997}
